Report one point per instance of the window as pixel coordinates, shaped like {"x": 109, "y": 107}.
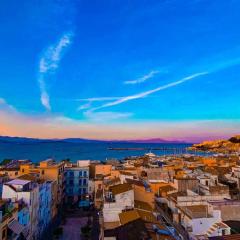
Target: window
{"x": 85, "y": 173}
{"x": 23, "y": 170}
{"x": 80, "y": 182}
{"x": 71, "y": 174}
{"x": 42, "y": 172}
{"x": 80, "y": 191}
{"x": 84, "y": 182}
{"x": 16, "y": 173}
{"x": 71, "y": 182}
{"x": 80, "y": 173}
{"x": 84, "y": 190}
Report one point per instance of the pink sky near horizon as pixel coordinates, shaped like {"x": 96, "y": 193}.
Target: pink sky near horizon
{"x": 13, "y": 123}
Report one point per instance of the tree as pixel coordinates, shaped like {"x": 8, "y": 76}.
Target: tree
{"x": 5, "y": 161}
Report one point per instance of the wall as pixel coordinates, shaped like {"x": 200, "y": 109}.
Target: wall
{"x": 123, "y": 178}
{"x": 183, "y": 184}
{"x": 201, "y": 225}
{"x": 140, "y": 194}
{"x": 122, "y": 200}
{"x": 77, "y": 181}
{"x": 229, "y": 212}
{"x": 103, "y": 169}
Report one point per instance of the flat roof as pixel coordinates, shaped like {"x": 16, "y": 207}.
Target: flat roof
{"x": 18, "y": 182}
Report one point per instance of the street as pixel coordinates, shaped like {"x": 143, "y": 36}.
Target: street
{"x": 72, "y": 228}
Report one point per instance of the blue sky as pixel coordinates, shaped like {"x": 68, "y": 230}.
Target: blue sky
{"x": 121, "y": 64}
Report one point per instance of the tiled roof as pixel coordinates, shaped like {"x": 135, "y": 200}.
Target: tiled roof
{"x": 120, "y": 188}
{"x": 166, "y": 188}
{"x": 128, "y": 216}
{"x": 134, "y": 230}
{"x": 111, "y": 225}
{"x": 142, "y": 205}
{"x": 134, "y": 182}
{"x": 10, "y": 169}
{"x": 147, "y": 216}
{"x": 127, "y": 173}
{"x": 32, "y": 178}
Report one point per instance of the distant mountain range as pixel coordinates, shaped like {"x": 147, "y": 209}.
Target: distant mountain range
{"x": 81, "y": 140}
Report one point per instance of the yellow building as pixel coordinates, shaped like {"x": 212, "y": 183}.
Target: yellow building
{"x": 52, "y": 171}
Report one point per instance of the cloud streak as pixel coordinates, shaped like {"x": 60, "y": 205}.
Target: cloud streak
{"x": 98, "y": 99}
{"x": 142, "y": 79}
{"x": 106, "y": 116}
{"x": 49, "y": 63}
{"x": 5, "y": 105}
{"x": 147, "y": 93}
{"x": 91, "y": 100}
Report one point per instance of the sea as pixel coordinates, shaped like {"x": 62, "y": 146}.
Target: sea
{"x": 38, "y": 151}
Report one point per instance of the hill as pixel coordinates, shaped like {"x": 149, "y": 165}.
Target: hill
{"x": 219, "y": 146}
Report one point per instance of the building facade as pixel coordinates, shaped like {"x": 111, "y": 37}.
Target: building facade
{"x": 77, "y": 181}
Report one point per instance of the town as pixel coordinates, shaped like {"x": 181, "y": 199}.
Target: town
{"x": 175, "y": 196}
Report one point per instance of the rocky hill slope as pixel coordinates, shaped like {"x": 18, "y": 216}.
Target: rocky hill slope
{"x": 219, "y": 146}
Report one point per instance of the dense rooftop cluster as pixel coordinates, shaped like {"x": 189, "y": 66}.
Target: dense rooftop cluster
{"x": 147, "y": 197}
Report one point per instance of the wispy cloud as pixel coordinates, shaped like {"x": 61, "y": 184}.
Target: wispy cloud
{"x": 146, "y": 93}
{"x": 84, "y": 106}
{"x": 106, "y": 116}
{"x": 98, "y": 99}
{"x": 49, "y": 63}
{"x": 143, "y": 78}
{"x": 5, "y": 105}
{"x": 112, "y": 101}
{"x": 91, "y": 100}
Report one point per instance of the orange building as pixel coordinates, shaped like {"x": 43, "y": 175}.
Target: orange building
{"x": 103, "y": 169}
{"x": 50, "y": 170}
{"x": 211, "y": 162}
{"x": 141, "y": 192}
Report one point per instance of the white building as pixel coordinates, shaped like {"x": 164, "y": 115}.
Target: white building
{"x": 27, "y": 191}
{"x": 202, "y": 221}
{"x": 119, "y": 197}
